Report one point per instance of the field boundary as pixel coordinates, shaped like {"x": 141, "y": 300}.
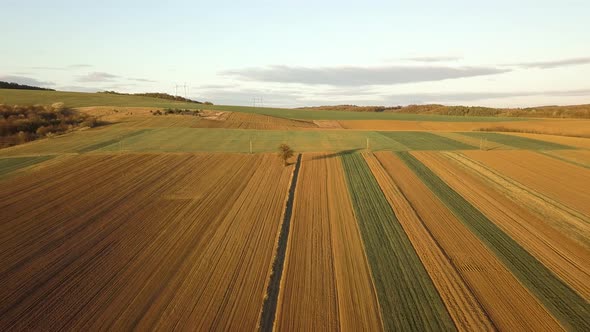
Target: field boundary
{"x": 269, "y": 308}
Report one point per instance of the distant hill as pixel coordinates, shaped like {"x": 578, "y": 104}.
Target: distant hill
{"x": 159, "y": 95}
{"x": 10, "y": 85}
{"x": 571, "y": 111}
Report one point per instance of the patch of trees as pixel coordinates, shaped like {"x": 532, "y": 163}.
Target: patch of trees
{"x": 159, "y": 95}
{"x": 177, "y": 111}
{"x": 10, "y": 85}
{"x": 20, "y": 124}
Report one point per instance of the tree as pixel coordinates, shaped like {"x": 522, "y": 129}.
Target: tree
{"x": 285, "y": 152}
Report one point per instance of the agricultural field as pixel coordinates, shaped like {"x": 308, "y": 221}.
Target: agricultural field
{"x": 378, "y": 222}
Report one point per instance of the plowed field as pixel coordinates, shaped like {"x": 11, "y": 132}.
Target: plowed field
{"x": 144, "y": 241}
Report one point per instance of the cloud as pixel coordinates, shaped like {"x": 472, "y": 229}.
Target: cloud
{"x": 80, "y": 65}
{"x": 25, "y": 80}
{"x": 360, "y": 76}
{"x": 97, "y": 77}
{"x": 215, "y": 86}
{"x": 552, "y": 64}
{"x": 433, "y": 58}
{"x": 77, "y": 88}
{"x": 69, "y": 67}
{"x": 141, "y": 80}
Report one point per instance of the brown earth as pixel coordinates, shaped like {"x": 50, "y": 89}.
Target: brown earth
{"x": 561, "y": 181}
{"x": 565, "y": 220}
{"x": 547, "y": 126}
{"x": 254, "y": 121}
{"x": 461, "y": 304}
{"x": 327, "y": 281}
{"x": 563, "y": 256}
{"x": 507, "y": 302}
{"x": 144, "y": 241}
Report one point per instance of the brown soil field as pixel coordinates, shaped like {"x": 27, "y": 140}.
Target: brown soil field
{"x": 328, "y": 124}
{"x": 144, "y": 241}
{"x": 546, "y": 126}
{"x": 561, "y": 181}
{"x": 327, "y": 283}
{"x": 400, "y": 125}
{"x": 563, "y": 256}
{"x": 579, "y": 142}
{"x": 254, "y": 121}
{"x": 463, "y": 307}
{"x": 506, "y": 301}
{"x": 564, "y": 127}
{"x": 565, "y": 220}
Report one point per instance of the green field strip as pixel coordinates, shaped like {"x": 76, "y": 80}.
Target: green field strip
{"x": 238, "y": 140}
{"x": 569, "y": 307}
{"x": 9, "y": 165}
{"x": 419, "y": 140}
{"x": 83, "y": 99}
{"x": 518, "y": 142}
{"x": 113, "y": 141}
{"x": 407, "y": 297}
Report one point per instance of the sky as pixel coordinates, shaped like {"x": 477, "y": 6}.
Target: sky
{"x": 304, "y": 53}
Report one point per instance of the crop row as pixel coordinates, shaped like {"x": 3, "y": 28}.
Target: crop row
{"x": 564, "y": 303}
{"x": 408, "y": 298}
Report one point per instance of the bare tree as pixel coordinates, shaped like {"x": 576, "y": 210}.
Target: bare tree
{"x": 285, "y": 152}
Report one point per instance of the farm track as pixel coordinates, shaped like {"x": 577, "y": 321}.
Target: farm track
{"x": 407, "y": 296}
{"x": 565, "y": 220}
{"x": 463, "y": 307}
{"x": 561, "y": 254}
{"x": 565, "y": 304}
{"x": 556, "y": 179}
{"x": 508, "y": 303}
{"x": 327, "y": 281}
{"x": 128, "y": 252}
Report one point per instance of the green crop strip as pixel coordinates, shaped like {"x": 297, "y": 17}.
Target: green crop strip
{"x": 417, "y": 140}
{"x": 408, "y": 299}
{"x": 9, "y": 165}
{"x": 565, "y": 304}
{"x": 517, "y": 141}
